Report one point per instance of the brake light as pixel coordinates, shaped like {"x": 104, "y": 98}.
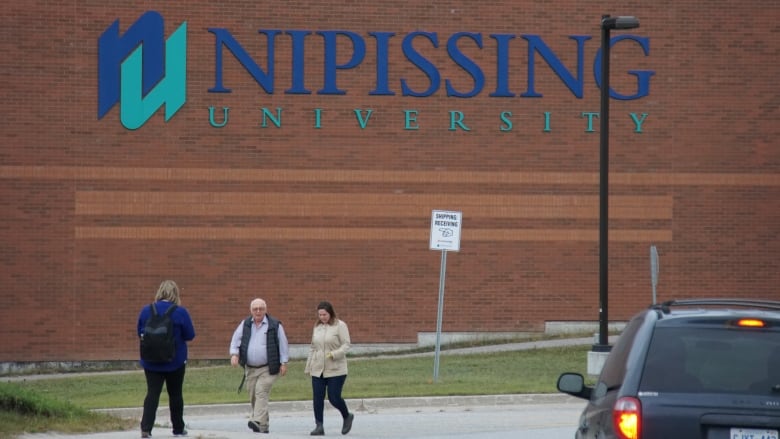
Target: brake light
{"x": 627, "y": 418}
{"x": 751, "y": 323}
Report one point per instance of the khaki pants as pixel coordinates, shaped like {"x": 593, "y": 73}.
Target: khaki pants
{"x": 259, "y": 382}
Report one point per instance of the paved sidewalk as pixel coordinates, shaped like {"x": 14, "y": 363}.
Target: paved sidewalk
{"x": 488, "y": 417}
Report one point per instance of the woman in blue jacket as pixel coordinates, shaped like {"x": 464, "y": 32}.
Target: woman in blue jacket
{"x": 170, "y": 373}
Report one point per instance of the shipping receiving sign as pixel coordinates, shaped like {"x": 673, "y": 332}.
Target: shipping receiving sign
{"x": 445, "y": 230}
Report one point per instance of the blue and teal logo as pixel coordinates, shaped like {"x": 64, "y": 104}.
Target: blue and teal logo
{"x": 141, "y": 70}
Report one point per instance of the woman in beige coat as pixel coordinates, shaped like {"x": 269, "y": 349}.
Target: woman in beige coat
{"x": 327, "y": 365}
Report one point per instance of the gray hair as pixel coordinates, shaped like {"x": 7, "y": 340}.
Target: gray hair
{"x": 258, "y": 301}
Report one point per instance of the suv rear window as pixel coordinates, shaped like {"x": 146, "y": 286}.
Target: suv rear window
{"x": 712, "y": 359}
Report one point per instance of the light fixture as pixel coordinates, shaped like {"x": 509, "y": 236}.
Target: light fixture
{"x": 607, "y": 23}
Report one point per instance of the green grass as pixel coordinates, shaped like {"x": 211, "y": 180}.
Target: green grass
{"x": 25, "y": 410}
{"x": 533, "y": 371}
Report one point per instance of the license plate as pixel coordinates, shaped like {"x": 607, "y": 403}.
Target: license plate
{"x": 752, "y": 433}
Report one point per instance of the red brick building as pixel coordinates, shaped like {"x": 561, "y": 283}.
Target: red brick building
{"x": 295, "y": 150}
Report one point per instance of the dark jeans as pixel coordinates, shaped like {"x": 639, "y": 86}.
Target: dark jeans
{"x": 333, "y": 386}
{"x": 173, "y": 383}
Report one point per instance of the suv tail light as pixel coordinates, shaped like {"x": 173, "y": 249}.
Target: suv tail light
{"x": 627, "y": 417}
{"x": 751, "y": 323}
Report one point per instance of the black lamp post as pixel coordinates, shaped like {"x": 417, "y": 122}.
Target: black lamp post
{"x": 607, "y": 24}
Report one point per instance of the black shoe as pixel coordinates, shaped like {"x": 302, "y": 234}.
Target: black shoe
{"x": 182, "y": 433}
{"x": 255, "y": 426}
{"x": 145, "y": 434}
{"x": 347, "y": 424}
{"x": 318, "y": 431}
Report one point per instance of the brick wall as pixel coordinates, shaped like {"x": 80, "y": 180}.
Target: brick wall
{"x": 96, "y": 215}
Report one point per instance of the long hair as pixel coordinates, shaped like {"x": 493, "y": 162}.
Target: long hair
{"x": 329, "y": 308}
{"x": 168, "y": 291}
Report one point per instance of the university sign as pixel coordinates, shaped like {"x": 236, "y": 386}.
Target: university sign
{"x": 142, "y": 71}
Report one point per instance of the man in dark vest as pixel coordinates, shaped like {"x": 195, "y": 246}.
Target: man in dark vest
{"x": 260, "y": 346}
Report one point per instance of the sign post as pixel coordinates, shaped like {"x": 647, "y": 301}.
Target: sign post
{"x": 445, "y": 235}
{"x": 654, "y": 269}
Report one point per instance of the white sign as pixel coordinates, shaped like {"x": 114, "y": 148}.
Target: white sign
{"x": 445, "y": 230}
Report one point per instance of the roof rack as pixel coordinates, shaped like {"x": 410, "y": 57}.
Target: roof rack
{"x": 749, "y": 303}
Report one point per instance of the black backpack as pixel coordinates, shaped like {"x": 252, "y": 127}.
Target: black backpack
{"x": 157, "y": 342}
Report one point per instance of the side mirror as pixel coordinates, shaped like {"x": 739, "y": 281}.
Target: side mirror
{"x": 573, "y": 384}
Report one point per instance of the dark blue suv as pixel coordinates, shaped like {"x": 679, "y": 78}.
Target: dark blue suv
{"x": 688, "y": 369}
